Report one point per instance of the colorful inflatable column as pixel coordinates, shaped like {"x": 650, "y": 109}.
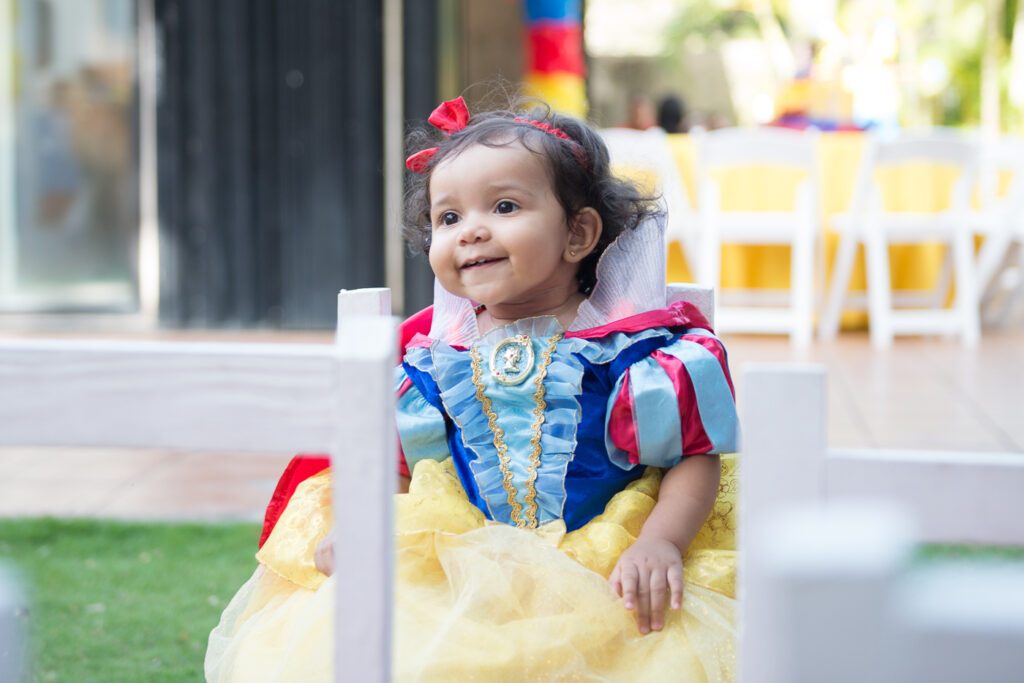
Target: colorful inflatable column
{"x": 554, "y": 54}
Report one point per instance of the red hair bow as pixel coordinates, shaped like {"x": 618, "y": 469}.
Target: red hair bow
{"x": 449, "y": 117}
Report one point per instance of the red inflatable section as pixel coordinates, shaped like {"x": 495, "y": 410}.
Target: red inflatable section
{"x": 556, "y": 47}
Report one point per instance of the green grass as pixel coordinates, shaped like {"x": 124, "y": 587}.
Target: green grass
{"x": 980, "y": 553}
{"x": 113, "y": 601}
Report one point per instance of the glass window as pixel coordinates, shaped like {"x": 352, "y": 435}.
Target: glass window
{"x": 68, "y": 155}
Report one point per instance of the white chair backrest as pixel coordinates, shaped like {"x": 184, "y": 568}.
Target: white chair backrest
{"x": 649, "y": 150}
{"x": 757, "y": 146}
{"x": 766, "y": 146}
{"x": 932, "y": 146}
{"x": 701, "y": 296}
{"x": 281, "y": 398}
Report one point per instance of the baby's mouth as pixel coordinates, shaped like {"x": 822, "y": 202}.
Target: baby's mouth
{"x": 480, "y": 262}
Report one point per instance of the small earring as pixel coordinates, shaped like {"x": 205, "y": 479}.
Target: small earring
{"x": 572, "y": 253}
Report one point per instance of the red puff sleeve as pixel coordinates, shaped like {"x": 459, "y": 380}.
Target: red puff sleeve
{"x": 304, "y": 466}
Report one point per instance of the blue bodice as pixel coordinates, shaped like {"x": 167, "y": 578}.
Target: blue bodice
{"x": 528, "y": 451}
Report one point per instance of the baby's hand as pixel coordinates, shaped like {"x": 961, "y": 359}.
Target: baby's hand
{"x": 323, "y": 556}
{"x": 642, "y": 575}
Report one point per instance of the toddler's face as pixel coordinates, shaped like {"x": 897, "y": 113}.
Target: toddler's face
{"x": 499, "y": 235}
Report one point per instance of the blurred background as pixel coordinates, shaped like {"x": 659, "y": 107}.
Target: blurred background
{"x": 233, "y": 163}
{"x": 221, "y": 168}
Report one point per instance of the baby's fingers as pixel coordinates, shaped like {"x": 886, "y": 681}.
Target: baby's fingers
{"x": 657, "y": 600}
{"x": 643, "y": 602}
{"x": 629, "y": 578}
{"x": 675, "y": 585}
{"x": 615, "y": 581}
{"x": 323, "y": 555}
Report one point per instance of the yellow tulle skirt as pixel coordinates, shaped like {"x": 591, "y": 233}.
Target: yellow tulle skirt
{"x": 481, "y": 601}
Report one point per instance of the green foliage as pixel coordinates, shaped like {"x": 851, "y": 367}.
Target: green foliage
{"x": 707, "y": 20}
{"x": 953, "y": 32}
{"x": 1009, "y": 17}
{"x": 113, "y": 601}
{"x": 957, "y": 36}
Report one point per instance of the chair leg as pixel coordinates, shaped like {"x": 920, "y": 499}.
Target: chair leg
{"x": 1016, "y": 298}
{"x": 802, "y": 290}
{"x": 1007, "y": 289}
{"x": 944, "y": 285}
{"x": 876, "y": 252}
{"x": 967, "y": 301}
{"x": 993, "y": 253}
{"x": 709, "y": 265}
{"x": 828, "y": 326}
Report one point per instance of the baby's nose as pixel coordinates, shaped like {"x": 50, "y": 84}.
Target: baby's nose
{"x": 474, "y": 229}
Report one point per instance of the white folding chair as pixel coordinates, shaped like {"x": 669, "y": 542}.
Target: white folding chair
{"x": 281, "y": 398}
{"x": 1000, "y": 219}
{"x": 827, "y": 591}
{"x": 869, "y": 223}
{"x": 648, "y": 152}
{"x": 769, "y": 148}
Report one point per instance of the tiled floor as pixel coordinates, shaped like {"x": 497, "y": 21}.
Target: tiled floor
{"x": 921, "y": 393}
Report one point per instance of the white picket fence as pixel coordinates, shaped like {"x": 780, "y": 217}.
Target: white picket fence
{"x": 280, "y": 398}
{"x": 828, "y": 591}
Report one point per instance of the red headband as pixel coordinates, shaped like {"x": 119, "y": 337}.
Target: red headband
{"x": 453, "y": 115}
{"x": 449, "y": 117}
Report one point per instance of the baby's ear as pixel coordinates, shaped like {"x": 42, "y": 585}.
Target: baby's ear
{"x": 584, "y": 232}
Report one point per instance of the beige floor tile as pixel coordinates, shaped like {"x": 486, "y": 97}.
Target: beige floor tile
{"x": 13, "y": 461}
{"x": 217, "y": 466}
{"x": 189, "y": 499}
{"x": 56, "y": 496}
{"x": 92, "y": 464}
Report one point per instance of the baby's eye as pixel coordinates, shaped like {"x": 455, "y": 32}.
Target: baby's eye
{"x": 448, "y": 218}
{"x": 506, "y": 206}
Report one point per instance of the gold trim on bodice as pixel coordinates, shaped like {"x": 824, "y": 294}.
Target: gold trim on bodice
{"x": 535, "y": 428}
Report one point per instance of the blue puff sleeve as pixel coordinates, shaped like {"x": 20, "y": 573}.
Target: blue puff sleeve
{"x": 422, "y": 431}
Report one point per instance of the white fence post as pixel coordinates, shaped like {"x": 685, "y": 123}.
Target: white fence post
{"x": 828, "y": 577}
{"x": 828, "y": 591}
{"x": 13, "y": 628}
{"x": 782, "y": 446}
{"x": 962, "y": 621}
{"x": 363, "y": 301}
{"x": 365, "y": 476}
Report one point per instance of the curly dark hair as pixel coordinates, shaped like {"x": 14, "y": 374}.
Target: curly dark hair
{"x": 579, "y": 169}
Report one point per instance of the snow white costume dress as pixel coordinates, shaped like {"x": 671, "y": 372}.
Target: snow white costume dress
{"x": 536, "y": 455}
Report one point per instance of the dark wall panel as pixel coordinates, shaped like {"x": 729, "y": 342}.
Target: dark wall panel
{"x": 269, "y": 173}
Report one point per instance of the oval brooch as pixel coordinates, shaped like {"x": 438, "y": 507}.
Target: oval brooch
{"x": 512, "y": 360}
